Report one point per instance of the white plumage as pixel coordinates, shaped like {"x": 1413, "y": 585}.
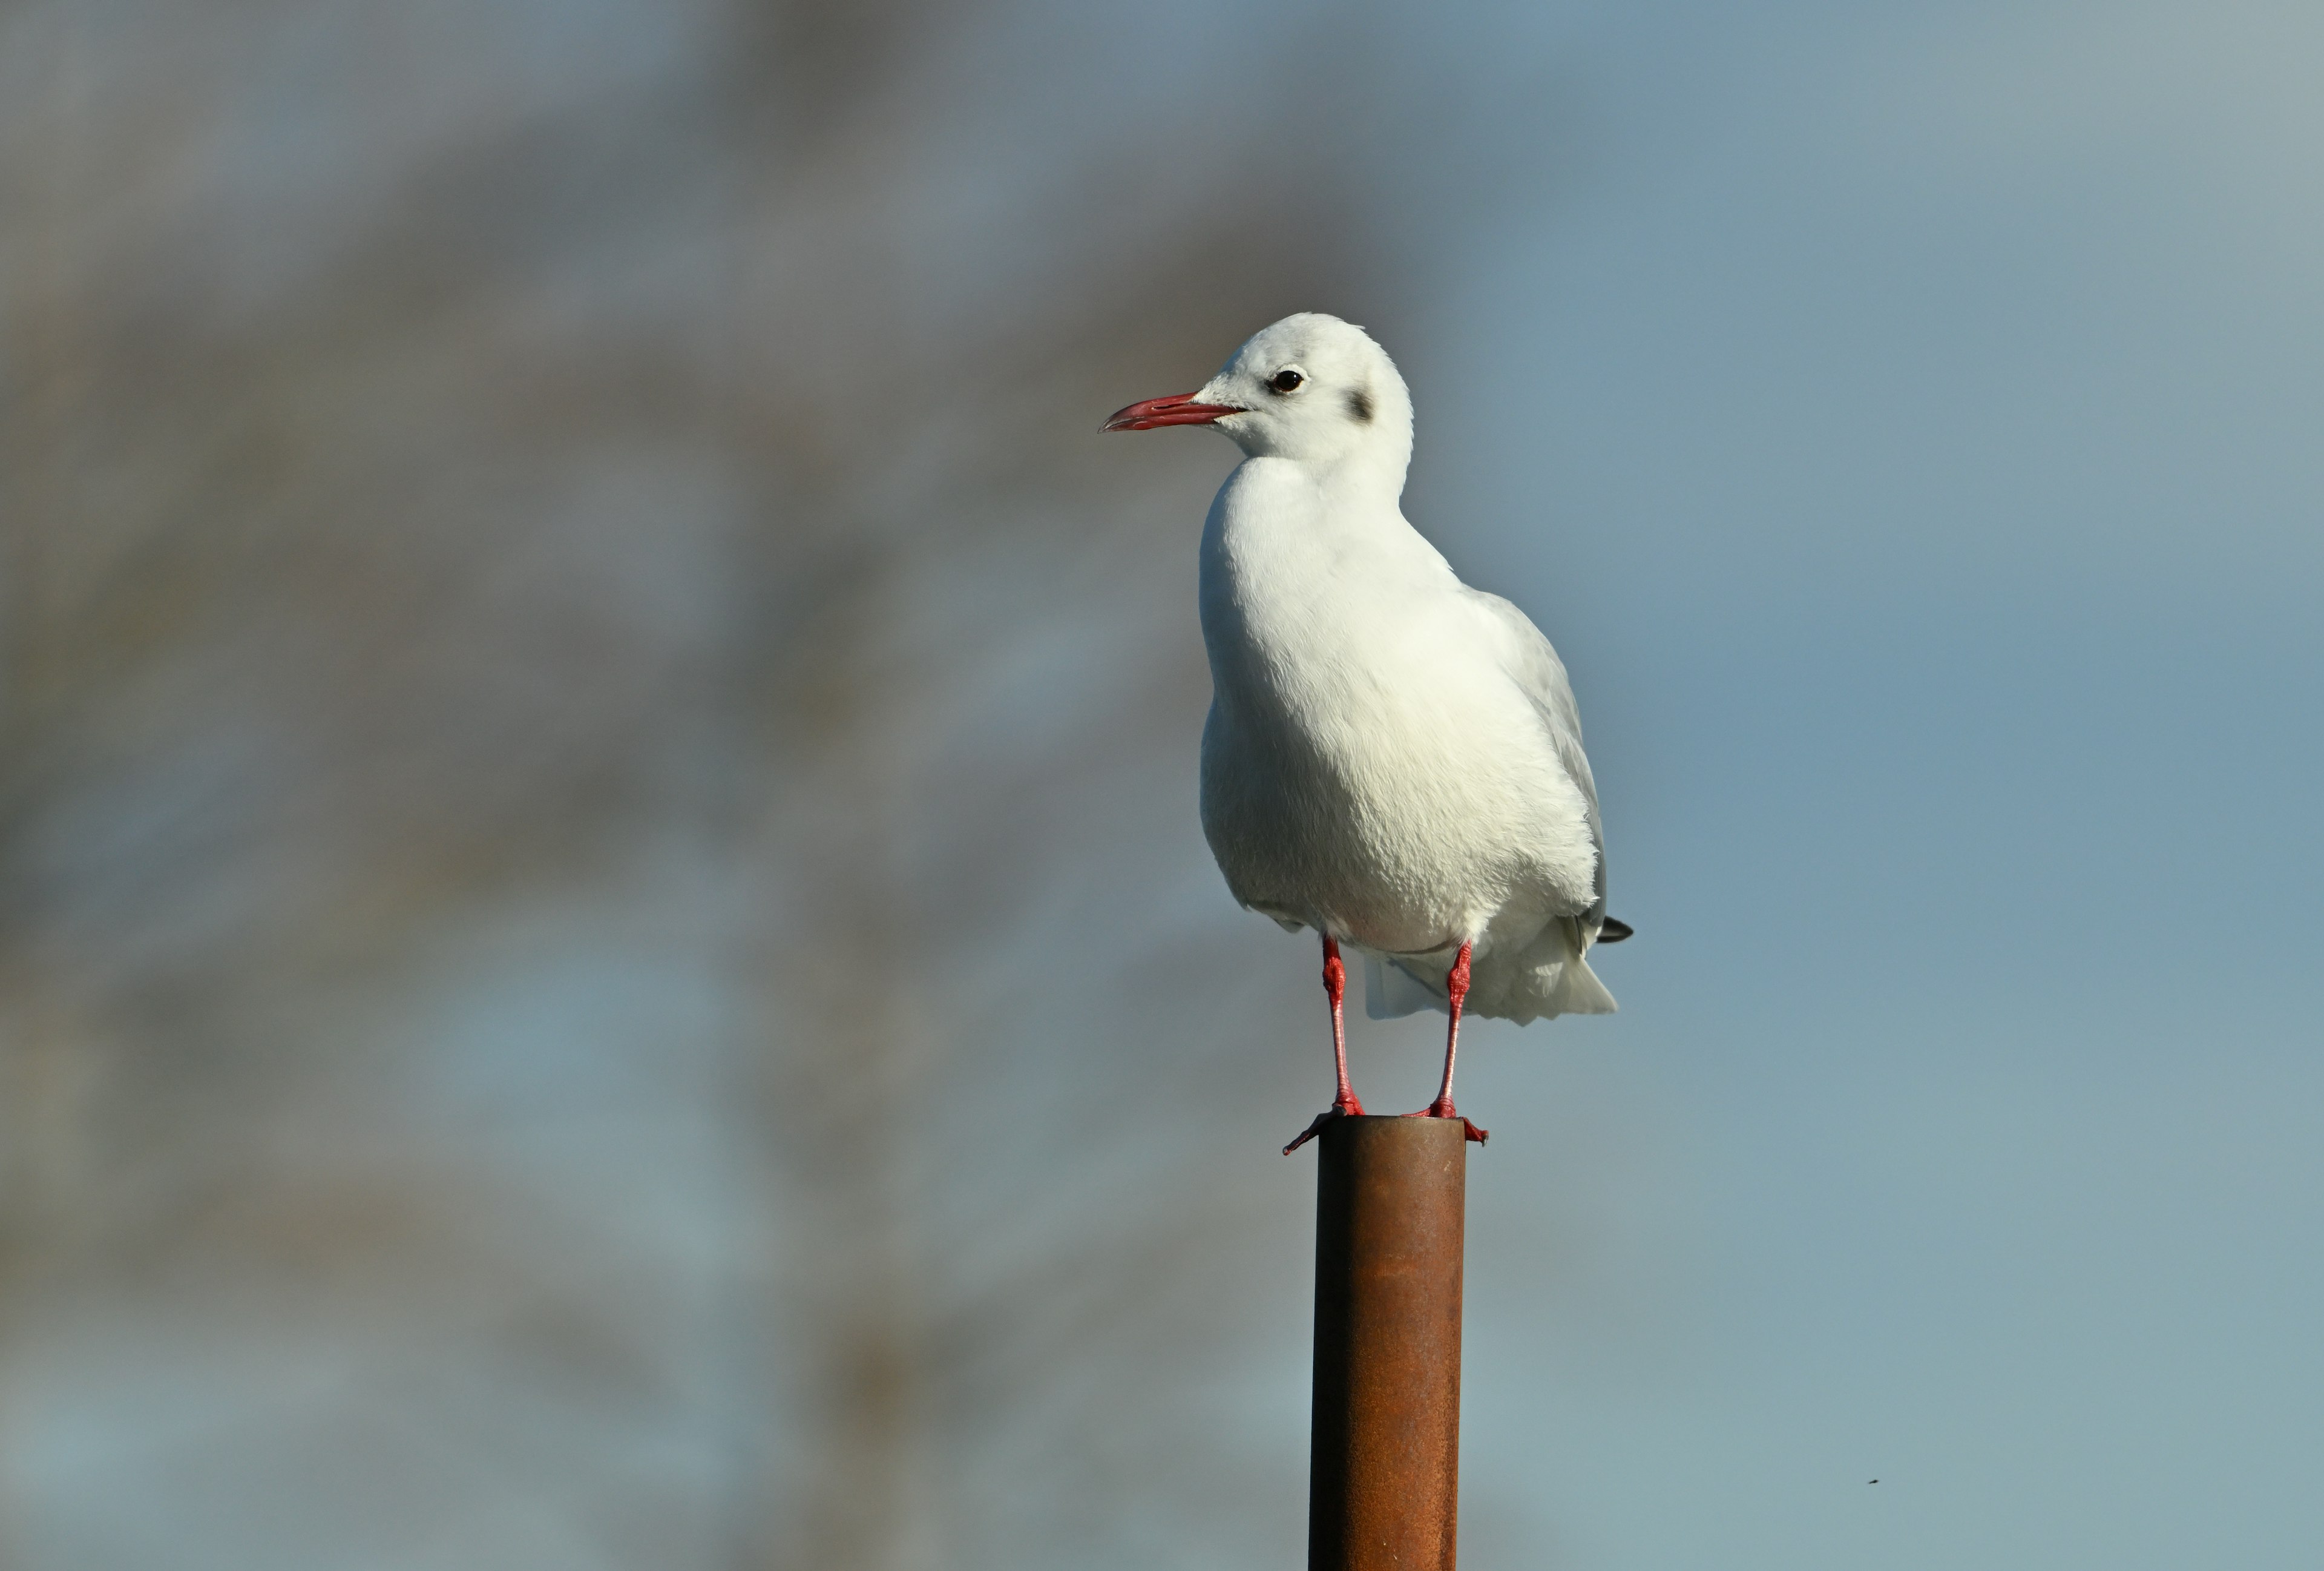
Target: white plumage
{"x": 1391, "y": 758}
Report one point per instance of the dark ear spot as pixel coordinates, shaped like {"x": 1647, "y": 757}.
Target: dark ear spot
{"x": 1360, "y": 404}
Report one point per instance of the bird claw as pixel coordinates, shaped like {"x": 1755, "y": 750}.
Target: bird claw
{"x": 1445, "y": 1110}
{"x": 1351, "y": 1109}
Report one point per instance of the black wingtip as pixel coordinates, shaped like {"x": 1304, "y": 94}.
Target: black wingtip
{"x": 1615, "y": 930}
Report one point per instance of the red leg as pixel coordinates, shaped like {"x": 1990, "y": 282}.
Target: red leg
{"x": 1343, "y": 1104}
{"x": 1456, "y": 988}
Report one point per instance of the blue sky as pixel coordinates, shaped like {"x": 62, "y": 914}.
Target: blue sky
{"x": 1905, "y": 423}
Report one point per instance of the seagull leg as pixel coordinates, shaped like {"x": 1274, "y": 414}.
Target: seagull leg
{"x": 1456, "y": 988}
{"x": 1343, "y": 1104}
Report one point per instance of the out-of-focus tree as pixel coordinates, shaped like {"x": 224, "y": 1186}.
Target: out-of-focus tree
{"x": 595, "y": 832}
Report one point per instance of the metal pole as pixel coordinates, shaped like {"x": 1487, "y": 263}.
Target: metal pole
{"x": 1384, "y": 1471}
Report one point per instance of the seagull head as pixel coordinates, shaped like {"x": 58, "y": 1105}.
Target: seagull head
{"x": 1311, "y": 388}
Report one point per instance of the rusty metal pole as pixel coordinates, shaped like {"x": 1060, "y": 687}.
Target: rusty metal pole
{"x": 1384, "y": 1467}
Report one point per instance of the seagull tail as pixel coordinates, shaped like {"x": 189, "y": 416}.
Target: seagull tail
{"x": 1389, "y": 991}
{"x": 1550, "y": 977}
{"x": 1577, "y": 990}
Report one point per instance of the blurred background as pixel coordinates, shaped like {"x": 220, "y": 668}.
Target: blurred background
{"x": 605, "y": 959}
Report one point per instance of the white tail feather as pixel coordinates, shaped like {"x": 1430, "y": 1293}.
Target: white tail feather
{"x": 1389, "y": 991}
{"x": 1544, "y": 980}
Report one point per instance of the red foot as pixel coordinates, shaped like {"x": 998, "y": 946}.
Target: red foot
{"x": 1350, "y": 1108}
{"x": 1443, "y": 1109}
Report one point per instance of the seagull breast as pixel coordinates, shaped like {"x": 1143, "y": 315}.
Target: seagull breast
{"x": 1369, "y": 767}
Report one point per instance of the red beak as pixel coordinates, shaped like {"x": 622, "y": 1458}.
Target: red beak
{"x": 1177, "y": 410}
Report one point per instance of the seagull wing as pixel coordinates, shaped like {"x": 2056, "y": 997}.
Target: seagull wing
{"x": 1535, "y": 667}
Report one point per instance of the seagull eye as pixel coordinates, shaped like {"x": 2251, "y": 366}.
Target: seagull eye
{"x": 1286, "y": 380}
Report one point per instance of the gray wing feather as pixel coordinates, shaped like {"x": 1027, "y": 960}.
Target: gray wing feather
{"x": 1536, "y": 667}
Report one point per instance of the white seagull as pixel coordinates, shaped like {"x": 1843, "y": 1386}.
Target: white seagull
{"x": 1392, "y": 758}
